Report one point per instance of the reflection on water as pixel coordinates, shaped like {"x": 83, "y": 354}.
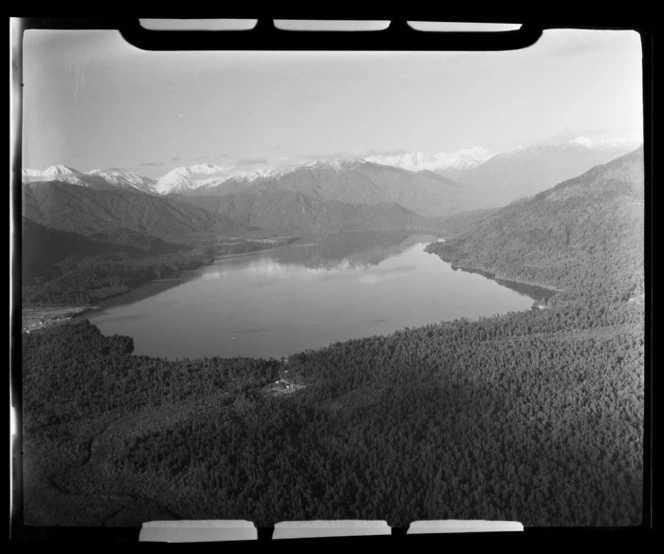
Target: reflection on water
{"x": 301, "y": 296}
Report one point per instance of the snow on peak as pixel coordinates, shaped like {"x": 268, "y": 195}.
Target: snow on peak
{"x": 604, "y": 142}
{"x": 54, "y": 173}
{"x": 205, "y": 168}
{"x": 50, "y": 173}
{"x": 335, "y": 164}
{"x": 97, "y": 178}
{"x": 582, "y": 141}
{"x": 60, "y": 170}
{"x": 115, "y": 173}
{"x": 190, "y": 177}
{"x": 123, "y": 178}
{"x": 184, "y": 179}
{"x": 417, "y": 161}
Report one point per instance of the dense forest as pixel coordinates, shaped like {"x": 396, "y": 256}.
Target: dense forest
{"x": 533, "y": 416}
{"x": 82, "y": 280}
{"x": 43, "y": 247}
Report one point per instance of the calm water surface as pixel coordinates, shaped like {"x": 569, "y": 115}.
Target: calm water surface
{"x": 302, "y": 296}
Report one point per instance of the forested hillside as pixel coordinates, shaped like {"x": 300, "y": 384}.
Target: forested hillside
{"x": 584, "y": 233}
{"x": 42, "y": 247}
{"x": 294, "y": 213}
{"x": 78, "y": 209}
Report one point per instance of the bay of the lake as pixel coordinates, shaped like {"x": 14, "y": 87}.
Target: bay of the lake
{"x": 302, "y": 296}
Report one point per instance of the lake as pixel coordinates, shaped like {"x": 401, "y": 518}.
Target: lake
{"x": 301, "y": 296}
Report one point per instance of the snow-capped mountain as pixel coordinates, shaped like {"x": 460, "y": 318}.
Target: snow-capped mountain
{"x": 357, "y": 182}
{"x": 97, "y": 178}
{"x": 199, "y": 178}
{"x": 335, "y": 165}
{"x": 418, "y": 161}
{"x": 125, "y": 179}
{"x": 182, "y": 179}
{"x": 603, "y": 144}
{"x": 56, "y": 173}
{"x": 498, "y": 178}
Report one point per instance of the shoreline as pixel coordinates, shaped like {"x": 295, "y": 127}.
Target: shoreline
{"x": 547, "y": 292}
{"x": 495, "y": 277}
{"x": 514, "y": 284}
{"x": 38, "y": 317}
{"x": 35, "y": 316}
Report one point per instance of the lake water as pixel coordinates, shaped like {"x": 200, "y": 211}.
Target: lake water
{"x": 302, "y": 296}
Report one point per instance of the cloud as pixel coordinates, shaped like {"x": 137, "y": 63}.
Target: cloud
{"x": 396, "y": 152}
{"x": 276, "y": 147}
{"x": 332, "y": 156}
{"x": 251, "y": 161}
{"x": 151, "y": 164}
{"x": 175, "y": 159}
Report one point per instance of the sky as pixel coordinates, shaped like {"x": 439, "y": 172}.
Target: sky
{"x": 90, "y": 100}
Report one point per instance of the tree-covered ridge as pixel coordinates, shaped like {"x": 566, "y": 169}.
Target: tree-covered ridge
{"x": 585, "y": 232}
{"x": 43, "y": 247}
{"x": 86, "y": 211}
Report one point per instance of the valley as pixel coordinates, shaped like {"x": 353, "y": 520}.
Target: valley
{"x": 484, "y": 413}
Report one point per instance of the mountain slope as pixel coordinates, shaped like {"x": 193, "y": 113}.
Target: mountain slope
{"x": 305, "y": 178}
{"x": 288, "y": 212}
{"x": 42, "y": 247}
{"x": 423, "y": 192}
{"x": 524, "y": 172}
{"x": 586, "y": 228}
{"x": 86, "y": 211}
{"x": 121, "y": 178}
{"x": 359, "y": 182}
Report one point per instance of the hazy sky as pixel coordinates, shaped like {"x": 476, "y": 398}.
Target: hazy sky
{"x": 93, "y": 101}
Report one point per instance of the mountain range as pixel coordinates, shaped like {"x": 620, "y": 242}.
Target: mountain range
{"x": 123, "y": 208}
{"x": 361, "y": 182}
{"x": 428, "y": 184}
